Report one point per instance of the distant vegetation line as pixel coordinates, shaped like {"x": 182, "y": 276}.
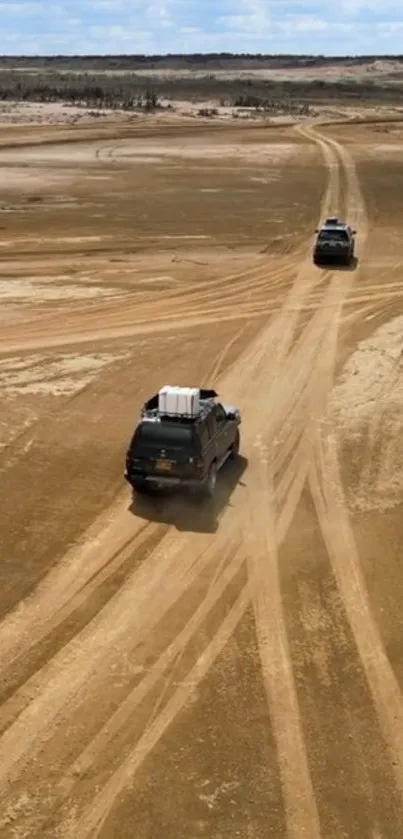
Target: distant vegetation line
{"x": 131, "y": 92}
{"x": 223, "y": 60}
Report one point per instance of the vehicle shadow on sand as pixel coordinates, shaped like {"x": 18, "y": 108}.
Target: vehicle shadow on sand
{"x": 189, "y": 513}
{"x": 338, "y": 266}
{"x": 353, "y": 265}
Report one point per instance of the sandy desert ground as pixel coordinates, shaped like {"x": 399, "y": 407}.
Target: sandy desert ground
{"x": 167, "y": 672}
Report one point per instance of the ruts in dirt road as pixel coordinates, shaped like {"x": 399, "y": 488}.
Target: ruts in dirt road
{"x": 215, "y": 681}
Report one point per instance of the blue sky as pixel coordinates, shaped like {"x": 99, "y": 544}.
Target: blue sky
{"x": 159, "y": 26}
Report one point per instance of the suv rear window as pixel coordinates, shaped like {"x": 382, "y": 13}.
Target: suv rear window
{"x": 152, "y": 435}
{"x": 340, "y": 235}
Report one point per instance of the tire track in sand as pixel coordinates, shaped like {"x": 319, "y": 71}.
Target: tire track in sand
{"x": 233, "y": 286}
{"x": 254, "y": 357}
{"x": 281, "y": 339}
{"x": 96, "y": 815}
{"x": 18, "y": 739}
{"x": 130, "y": 767}
{"x": 328, "y": 496}
{"x": 80, "y": 573}
{"x": 80, "y": 670}
{"x": 47, "y": 675}
{"x": 73, "y": 579}
{"x": 247, "y": 289}
{"x": 260, "y": 351}
{"x": 128, "y": 709}
{"x": 268, "y": 530}
{"x": 269, "y": 527}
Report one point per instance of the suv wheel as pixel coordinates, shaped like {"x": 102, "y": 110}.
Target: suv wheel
{"x": 210, "y": 483}
{"x": 236, "y": 445}
{"x": 141, "y": 488}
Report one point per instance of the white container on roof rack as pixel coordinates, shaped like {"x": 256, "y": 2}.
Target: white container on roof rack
{"x": 163, "y": 394}
{"x": 179, "y": 401}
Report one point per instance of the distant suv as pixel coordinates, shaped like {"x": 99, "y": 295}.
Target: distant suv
{"x": 184, "y": 448}
{"x": 334, "y": 243}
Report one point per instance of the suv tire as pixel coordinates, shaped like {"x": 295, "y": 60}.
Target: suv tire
{"x": 235, "y": 446}
{"x": 141, "y": 488}
{"x": 210, "y": 482}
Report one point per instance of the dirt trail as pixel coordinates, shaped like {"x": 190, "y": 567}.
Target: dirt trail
{"x": 55, "y": 688}
{"x": 328, "y": 494}
{"x": 282, "y": 381}
{"x": 256, "y": 368}
{"x": 264, "y": 367}
{"x": 270, "y": 348}
{"x": 240, "y": 295}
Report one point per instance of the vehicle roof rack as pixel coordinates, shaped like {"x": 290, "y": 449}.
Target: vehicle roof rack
{"x": 150, "y": 408}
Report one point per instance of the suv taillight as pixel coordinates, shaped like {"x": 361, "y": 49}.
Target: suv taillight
{"x": 132, "y": 461}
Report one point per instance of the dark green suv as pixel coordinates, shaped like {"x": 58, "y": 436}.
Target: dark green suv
{"x": 334, "y": 243}
{"x": 167, "y": 451}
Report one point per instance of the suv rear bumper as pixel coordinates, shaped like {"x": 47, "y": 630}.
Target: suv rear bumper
{"x": 162, "y": 481}
{"x": 332, "y": 254}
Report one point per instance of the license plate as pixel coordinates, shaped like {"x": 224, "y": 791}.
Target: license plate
{"x": 163, "y": 465}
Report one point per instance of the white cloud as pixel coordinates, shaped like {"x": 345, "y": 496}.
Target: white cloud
{"x": 306, "y": 23}
{"x": 18, "y": 10}
{"x": 106, "y": 5}
{"x": 113, "y": 26}
{"x": 157, "y": 11}
{"x": 389, "y": 30}
{"x": 133, "y": 39}
{"x": 353, "y": 7}
{"x": 249, "y": 16}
